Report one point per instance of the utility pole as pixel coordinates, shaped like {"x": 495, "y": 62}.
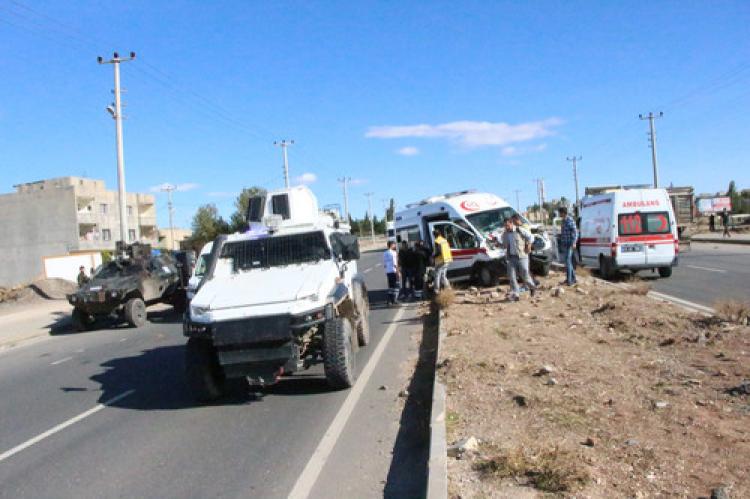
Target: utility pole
{"x": 284, "y": 144}
{"x": 518, "y": 202}
{"x": 372, "y": 222}
{"x": 117, "y": 115}
{"x": 652, "y": 132}
{"x": 168, "y": 188}
{"x": 540, "y": 196}
{"x": 345, "y": 182}
{"x": 575, "y": 161}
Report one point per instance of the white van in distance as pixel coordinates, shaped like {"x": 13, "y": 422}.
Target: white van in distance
{"x": 628, "y": 229}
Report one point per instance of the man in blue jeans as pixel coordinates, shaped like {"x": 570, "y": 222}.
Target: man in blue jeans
{"x": 568, "y": 238}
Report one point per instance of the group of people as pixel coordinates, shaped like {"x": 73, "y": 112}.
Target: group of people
{"x": 406, "y": 267}
{"x": 724, "y": 221}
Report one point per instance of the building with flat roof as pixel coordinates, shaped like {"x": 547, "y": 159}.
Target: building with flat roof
{"x": 62, "y": 216}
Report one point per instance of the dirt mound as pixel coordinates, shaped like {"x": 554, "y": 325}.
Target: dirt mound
{"x": 596, "y": 390}
{"x": 53, "y": 289}
{"x": 43, "y": 289}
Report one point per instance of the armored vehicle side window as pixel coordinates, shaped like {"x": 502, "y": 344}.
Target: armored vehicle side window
{"x": 280, "y": 205}
{"x": 255, "y": 209}
{"x": 277, "y": 251}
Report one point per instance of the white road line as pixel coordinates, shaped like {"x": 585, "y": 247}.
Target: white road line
{"x": 367, "y": 270}
{"x": 123, "y": 339}
{"x": 679, "y": 301}
{"x": 706, "y": 268}
{"x": 15, "y": 450}
{"x": 309, "y": 476}
{"x": 61, "y": 361}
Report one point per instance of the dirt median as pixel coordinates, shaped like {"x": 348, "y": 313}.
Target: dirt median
{"x": 594, "y": 391}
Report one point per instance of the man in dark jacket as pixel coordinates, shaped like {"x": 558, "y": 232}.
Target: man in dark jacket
{"x": 421, "y": 262}
{"x": 407, "y": 261}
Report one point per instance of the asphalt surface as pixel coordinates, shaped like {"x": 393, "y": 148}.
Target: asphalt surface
{"x": 107, "y": 414}
{"x": 707, "y": 273}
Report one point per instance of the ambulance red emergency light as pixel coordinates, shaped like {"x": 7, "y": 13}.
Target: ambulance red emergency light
{"x": 629, "y": 229}
{"x": 467, "y": 219}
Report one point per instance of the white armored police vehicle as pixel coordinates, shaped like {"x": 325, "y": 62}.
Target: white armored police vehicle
{"x": 279, "y": 298}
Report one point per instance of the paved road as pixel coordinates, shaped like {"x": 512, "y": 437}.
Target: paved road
{"x": 708, "y": 272}
{"x": 149, "y": 439}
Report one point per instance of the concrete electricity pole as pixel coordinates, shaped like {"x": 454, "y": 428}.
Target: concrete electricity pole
{"x": 116, "y": 113}
{"x": 345, "y": 182}
{"x": 518, "y": 202}
{"x": 652, "y": 132}
{"x": 540, "y": 195}
{"x": 284, "y": 144}
{"x": 168, "y": 188}
{"x": 575, "y": 161}
{"x": 372, "y": 223}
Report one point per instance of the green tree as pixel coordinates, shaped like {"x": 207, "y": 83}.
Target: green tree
{"x": 391, "y": 212}
{"x": 207, "y": 225}
{"x": 237, "y": 222}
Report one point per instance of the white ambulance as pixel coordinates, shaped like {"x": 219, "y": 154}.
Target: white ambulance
{"x": 628, "y": 228}
{"x": 468, "y": 220}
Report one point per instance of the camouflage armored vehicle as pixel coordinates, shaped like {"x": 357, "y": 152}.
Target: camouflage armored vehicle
{"x": 124, "y": 287}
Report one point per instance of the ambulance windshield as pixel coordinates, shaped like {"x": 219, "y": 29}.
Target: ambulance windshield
{"x": 491, "y": 220}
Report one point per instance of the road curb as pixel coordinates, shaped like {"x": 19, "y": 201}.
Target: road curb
{"x": 719, "y": 241}
{"x": 437, "y": 467}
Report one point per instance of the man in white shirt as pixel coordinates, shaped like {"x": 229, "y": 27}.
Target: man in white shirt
{"x": 390, "y": 263}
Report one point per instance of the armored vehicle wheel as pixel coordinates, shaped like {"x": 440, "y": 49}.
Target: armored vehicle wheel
{"x": 542, "y": 269}
{"x": 204, "y": 375}
{"x": 665, "y": 271}
{"x": 81, "y": 320}
{"x": 135, "y": 312}
{"x": 338, "y": 353}
{"x": 363, "y": 310}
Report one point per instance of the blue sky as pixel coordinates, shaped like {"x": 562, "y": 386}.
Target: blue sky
{"x": 409, "y": 99}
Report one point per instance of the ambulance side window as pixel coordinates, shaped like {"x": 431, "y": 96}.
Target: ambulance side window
{"x": 457, "y": 237}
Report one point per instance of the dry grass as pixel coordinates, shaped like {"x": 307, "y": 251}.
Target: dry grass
{"x": 548, "y": 471}
{"x": 445, "y": 299}
{"x": 639, "y": 288}
{"x": 733, "y": 310}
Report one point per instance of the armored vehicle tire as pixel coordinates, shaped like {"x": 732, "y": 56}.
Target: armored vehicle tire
{"x": 542, "y": 269}
{"x": 338, "y": 353}
{"x": 135, "y": 312}
{"x": 665, "y": 271}
{"x": 485, "y": 277}
{"x": 204, "y": 375}
{"x": 363, "y": 310}
{"x": 81, "y": 320}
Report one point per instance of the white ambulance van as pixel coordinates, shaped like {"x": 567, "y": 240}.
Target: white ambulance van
{"x": 469, "y": 219}
{"x": 629, "y": 229}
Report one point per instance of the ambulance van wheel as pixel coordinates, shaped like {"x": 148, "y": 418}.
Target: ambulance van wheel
{"x": 605, "y": 268}
{"x": 485, "y": 277}
{"x": 665, "y": 271}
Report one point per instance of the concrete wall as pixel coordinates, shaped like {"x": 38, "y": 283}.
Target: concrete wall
{"x": 32, "y": 226}
{"x": 66, "y": 267}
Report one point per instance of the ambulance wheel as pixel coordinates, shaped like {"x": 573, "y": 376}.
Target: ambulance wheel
{"x": 485, "y": 276}
{"x": 605, "y": 268}
{"x": 363, "y": 311}
{"x": 203, "y": 372}
{"x": 338, "y": 353}
{"x": 665, "y": 271}
{"x": 135, "y": 312}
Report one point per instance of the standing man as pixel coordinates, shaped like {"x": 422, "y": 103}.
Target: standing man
{"x": 568, "y": 239}
{"x": 528, "y": 243}
{"x": 421, "y": 262}
{"x": 443, "y": 258}
{"x": 725, "y": 223}
{"x": 390, "y": 263}
{"x": 712, "y": 223}
{"x": 82, "y": 277}
{"x": 406, "y": 262}
{"x": 516, "y": 242}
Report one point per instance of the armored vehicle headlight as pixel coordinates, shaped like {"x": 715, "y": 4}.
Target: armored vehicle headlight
{"x": 198, "y": 311}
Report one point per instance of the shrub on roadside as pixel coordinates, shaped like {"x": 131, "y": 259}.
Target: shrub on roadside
{"x": 733, "y": 311}
{"x": 444, "y": 299}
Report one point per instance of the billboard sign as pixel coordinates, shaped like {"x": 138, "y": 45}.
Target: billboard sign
{"x": 714, "y": 205}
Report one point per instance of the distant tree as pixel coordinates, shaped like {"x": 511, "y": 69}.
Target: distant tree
{"x": 391, "y": 211}
{"x": 207, "y": 225}
{"x": 237, "y": 222}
